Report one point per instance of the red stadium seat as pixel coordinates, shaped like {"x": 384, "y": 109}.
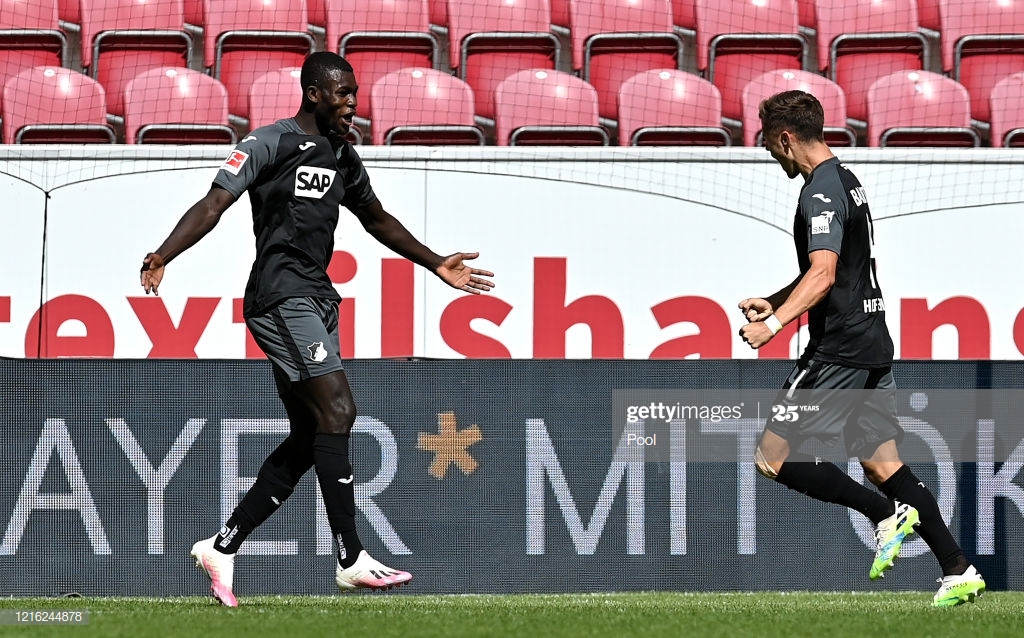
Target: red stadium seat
{"x": 545, "y": 107}
{"x": 982, "y": 42}
{"x": 244, "y": 39}
{"x": 805, "y": 10}
{"x": 122, "y": 38}
{"x": 317, "y": 13}
{"x": 560, "y": 14}
{"x": 423, "y": 106}
{"x": 69, "y": 11}
{"x": 1006, "y": 105}
{"x": 670, "y": 108}
{"x": 54, "y": 105}
{"x": 194, "y": 11}
{"x": 613, "y": 40}
{"x": 928, "y": 14}
{"x": 684, "y": 15}
{"x": 919, "y": 108}
{"x": 381, "y": 36}
{"x": 738, "y": 40}
{"x": 30, "y": 36}
{"x": 830, "y": 94}
{"x": 439, "y": 13}
{"x": 274, "y": 96}
{"x": 860, "y": 41}
{"x": 492, "y": 39}
{"x": 172, "y": 105}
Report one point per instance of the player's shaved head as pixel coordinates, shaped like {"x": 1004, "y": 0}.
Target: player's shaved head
{"x": 798, "y": 112}
{"x": 319, "y": 67}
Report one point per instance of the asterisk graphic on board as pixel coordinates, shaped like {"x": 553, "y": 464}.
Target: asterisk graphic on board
{"x": 450, "y": 445}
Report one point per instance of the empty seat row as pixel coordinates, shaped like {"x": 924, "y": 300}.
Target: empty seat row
{"x": 661, "y": 107}
{"x": 611, "y": 40}
{"x": 122, "y": 38}
{"x": 534, "y": 106}
{"x": 168, "y": 105}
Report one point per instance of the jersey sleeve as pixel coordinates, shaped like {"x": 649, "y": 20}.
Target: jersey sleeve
{"x": 358, "y": 191}
{"x": 245, "y": 162}
{"x": 825, "y": 212}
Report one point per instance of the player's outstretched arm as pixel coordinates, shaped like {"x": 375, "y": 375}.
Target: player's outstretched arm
{"x": 452, "y": 269}
{"x": 193, "y": 226}
{"x": 454, "y": 272}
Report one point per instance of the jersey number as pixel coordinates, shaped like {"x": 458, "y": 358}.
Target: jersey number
{"x": 871, "y": 251}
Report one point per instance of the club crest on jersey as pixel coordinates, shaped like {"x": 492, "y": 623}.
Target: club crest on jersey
{"x": 234, "y": 163}
{"x": 820, "y": 224}
{"x": 317, "y": 352}
{"x": 312, "y": 181}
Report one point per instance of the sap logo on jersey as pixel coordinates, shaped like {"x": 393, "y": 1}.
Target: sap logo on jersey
{"x": 312, "y": 181}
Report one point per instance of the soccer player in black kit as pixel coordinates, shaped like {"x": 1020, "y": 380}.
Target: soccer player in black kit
{"x": 298, "y": 171}
{"x": 846, "y": 366}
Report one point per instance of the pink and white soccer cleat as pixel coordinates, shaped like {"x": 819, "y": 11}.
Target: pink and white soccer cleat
{"x": 219, "y": 567}
{"x": 368, "y": 573}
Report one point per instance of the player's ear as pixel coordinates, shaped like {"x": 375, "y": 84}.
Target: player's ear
{"x": 312, "y": 93}
{"x": 785, "y": 140}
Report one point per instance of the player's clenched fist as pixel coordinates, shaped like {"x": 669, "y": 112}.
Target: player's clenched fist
{"x": 756, "y": 309}
{"x": 756, "y": 334}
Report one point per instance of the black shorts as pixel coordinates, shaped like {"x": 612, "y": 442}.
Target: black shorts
{"x": 825, "y": 400}
{"x": 300, "y": 337}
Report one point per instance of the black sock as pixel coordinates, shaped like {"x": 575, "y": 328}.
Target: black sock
{"x": 903, "y": 486}
{"x": 826, "y": 482}
{"x": 334, "y": 472}
{"x": 235, "y": 530}
{"x": 274, "y": 483}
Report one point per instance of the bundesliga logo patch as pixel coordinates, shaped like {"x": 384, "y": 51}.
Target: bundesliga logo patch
{"x": 233, "y": 164}
{"x": 821, "y": 225}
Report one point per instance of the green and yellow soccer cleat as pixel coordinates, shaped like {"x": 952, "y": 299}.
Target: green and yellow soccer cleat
{"x": 889, "y": 537}
{"x": 956, "y": 590}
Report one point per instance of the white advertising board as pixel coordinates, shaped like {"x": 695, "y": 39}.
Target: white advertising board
{"x": 610, "y": 253}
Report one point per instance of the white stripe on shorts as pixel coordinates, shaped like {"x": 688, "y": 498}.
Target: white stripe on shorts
{"x": 796, "y": 382}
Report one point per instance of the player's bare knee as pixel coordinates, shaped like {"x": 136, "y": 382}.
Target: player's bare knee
{"x": 877, "y": 474}
{"x": 763, "y": 466}
{"x": 338, "y": 418}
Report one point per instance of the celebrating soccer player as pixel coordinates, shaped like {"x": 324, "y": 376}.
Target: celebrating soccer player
{"x": 298, "y": 171}
{"x": 846, "y": 366}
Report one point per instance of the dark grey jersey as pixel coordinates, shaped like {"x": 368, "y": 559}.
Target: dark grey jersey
{"x": 848, "y": 326}
{"x": 296, "y": 183}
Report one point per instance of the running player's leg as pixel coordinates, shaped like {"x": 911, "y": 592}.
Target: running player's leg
{"x": 274, "y": 483}
{"x": 329, "y": 398}
{"x": 806, "y": 474}
{"x": 894, "y": 530}
{"x": 279, "y": 474}
{"x": 322, "y": 386}
{"x": 880, "y": 429}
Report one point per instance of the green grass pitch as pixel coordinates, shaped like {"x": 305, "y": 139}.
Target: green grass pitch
{"x": 761, "y": 615}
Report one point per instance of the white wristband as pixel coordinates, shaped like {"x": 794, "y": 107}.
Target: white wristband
{"x": 773, "y": 324}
